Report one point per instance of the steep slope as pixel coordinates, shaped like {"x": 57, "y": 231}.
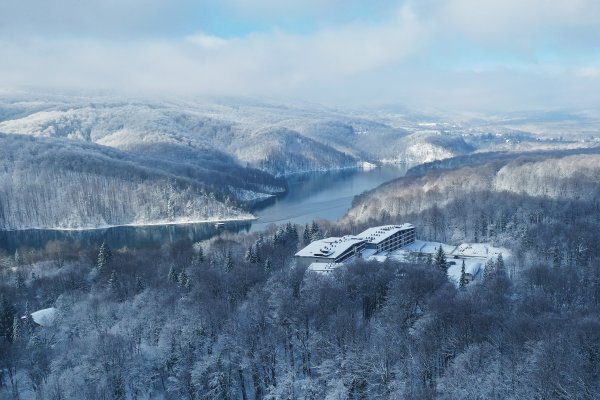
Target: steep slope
{"x": 574, "y": 177}
{"x": 150, "y": 132}
{"x": 325, "y": 138}
{"x": 59, "y": 183}
{"x": 283, "y": 152}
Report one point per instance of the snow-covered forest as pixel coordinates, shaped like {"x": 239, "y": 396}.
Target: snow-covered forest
{"x": 65, "y": 184}
{"x": 234, "y": 318}
{"x": 216, "y": 158}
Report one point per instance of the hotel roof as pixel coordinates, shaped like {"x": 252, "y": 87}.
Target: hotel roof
{"x": 330, "y": 247}
{"x": 378, "y": 234}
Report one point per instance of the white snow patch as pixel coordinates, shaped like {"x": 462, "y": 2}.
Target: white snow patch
{"x": 44, "y": 317}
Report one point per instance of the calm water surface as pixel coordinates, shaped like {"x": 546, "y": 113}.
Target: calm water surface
{"x": 311, "y": 196}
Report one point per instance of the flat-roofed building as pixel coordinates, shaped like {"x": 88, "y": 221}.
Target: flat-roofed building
{"x": 388, "y": 237}
{"x": 336, "y": 250}
{"x": 331, "y": 250}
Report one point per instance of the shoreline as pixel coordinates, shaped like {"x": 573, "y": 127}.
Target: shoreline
{"x": 137, "y": 225}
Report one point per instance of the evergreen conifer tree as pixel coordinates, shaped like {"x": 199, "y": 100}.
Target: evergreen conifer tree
{"x": 182, "y": 278}
{"x": 104, "y": 257}
{"x": 306, "y": 235}
{"x": 463, "y": 276}
{"x": 139, "y": 284}
{"x": 113, "y": 282}
{"x": 17, "y": 332}
{"x": 200, "y": 255}
{"x": 228, "y": 262}
{"x": 7, "y": 314}
{"x": 268, "y": 265}
{"x": 256, "y": 252}
{"x": 490, "y": 269}
{"x": 249, "y": 254}
{"x": 17, "y": 257}
{"x": 20, "y": 280}
{"x": 172, "y": 274}
{"x": 440, "y": 259}
{"x": 500, "y": 267}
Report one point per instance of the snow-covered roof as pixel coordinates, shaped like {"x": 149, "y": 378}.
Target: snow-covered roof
{"x": 481, "y": 250}
{"x": 378, "y": 234}
{"x": 44, "y": 317}
{"x": 421, "y": 246}
{"x": 472, "y": 266}
{"x": 323, "y": 268}
{"x": 331, "y": 247}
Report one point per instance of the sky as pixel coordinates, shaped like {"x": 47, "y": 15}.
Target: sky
{"x": 492, "y": 55}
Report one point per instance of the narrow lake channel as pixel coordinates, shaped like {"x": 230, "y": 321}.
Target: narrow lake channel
{"x": 310, "y": 196}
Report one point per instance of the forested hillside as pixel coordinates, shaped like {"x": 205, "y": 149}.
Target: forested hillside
{"x": 571, "y": 177}
{"x": 235, "y": 318}
{"x": 276, "y": 137}
{"x": 65, "y": 184}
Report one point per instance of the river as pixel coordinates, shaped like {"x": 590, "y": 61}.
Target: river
{"x": 309, "y": 196}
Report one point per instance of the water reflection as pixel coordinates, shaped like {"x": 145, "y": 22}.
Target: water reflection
{"x": 309, "y": 197}
{"x": 121, "y": 236}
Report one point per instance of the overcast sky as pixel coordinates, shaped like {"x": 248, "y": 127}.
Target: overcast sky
{"x": 455, "y": 54}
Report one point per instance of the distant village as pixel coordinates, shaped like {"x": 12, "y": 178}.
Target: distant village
{"x": 399, "y": 243}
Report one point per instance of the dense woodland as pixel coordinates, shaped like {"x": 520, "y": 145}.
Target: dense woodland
{"x": 62, "y": 183}
{"x": 234, "y": 318}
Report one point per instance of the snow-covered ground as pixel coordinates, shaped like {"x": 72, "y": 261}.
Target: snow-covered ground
{"x": 45, "y": 317}
{"x": 421, "y": 246}
{"x": 475, "y": 256}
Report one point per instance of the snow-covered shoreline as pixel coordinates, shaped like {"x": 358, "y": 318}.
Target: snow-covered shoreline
{"x": 137, "y": 225}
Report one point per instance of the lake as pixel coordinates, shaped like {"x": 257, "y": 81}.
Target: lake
{"x": 310, "y": 196}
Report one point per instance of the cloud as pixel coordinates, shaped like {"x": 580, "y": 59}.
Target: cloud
{"x": 273, "y": 62}
{"x": 454, "y": 53}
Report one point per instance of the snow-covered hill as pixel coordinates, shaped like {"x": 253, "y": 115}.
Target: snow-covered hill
{"x": 570, "y": 177}
{"x": 58, "y": 183}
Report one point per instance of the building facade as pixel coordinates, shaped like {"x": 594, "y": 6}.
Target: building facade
{"x": 338, "y": 250}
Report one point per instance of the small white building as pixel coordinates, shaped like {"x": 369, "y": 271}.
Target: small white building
{"x": 323, "y": 268}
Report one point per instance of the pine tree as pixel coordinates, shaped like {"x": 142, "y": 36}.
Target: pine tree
{"x": 440, "y": 259}
{"x": 7, "y": 314}
{"x": 500, "y": 267}
{"x": 249, "y": 257}
{"x": 306, "y": 235}
{"x": 172, "y": 276}
{"x": 182, "y": 278}
{"x": 268, "y": 265}
{"x": 27, "y": 321}
{"x": 257, "y": 259}
{"x": 17, "y": 332}
{"x": 18, "y": 259}
{"x": 200, "y": 255}
{"x": 315, "y": 232}
{"x": 490, "y": 269}
{"x": 139, "y": 284}
{"x": 228, "y": 262}
{"x": 463, "y": 276}
{"x": 20, "y": 280}
{"x": 113, "y": 282}
{"x": 104, "y": 257}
